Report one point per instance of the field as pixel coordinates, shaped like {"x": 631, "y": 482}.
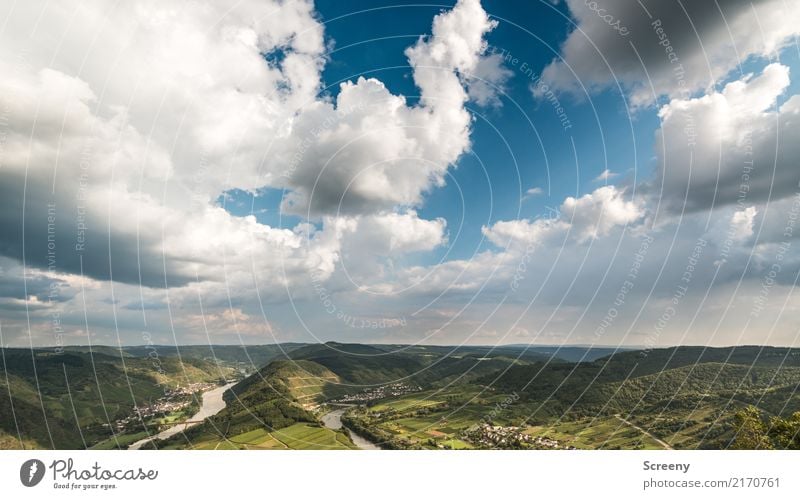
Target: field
{"x": 693, "y": 428}
{"x": 300, "y": 436}
{"x": 444, "y": 419}
{"x": 306, "y": 388}
{"x": 434, "y": 419}
{"x": 122, "y": 441}
{"x": 599, "y": 433}
{"x": 405, "y": 403}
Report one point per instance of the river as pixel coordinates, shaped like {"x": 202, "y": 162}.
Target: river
{"x": 211, "y": 404}
{"x": 333, "y": 420}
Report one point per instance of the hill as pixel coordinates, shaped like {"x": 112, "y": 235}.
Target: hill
{"x": 407, "y": 396}
{"x": 286, "y": 392}
{"x": 361, "y": 366}
{"x": 71, "y": 399}
{"x": 592, "y": 380}
{"x": 686, "y": 395}
{"x": 253, "y": 356}
{"x": 277, "y": 396}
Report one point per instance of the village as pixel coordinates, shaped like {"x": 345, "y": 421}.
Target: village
{"x": 376, "y": 393}
{"x": 510, "y": 437}
{"x": 174, "y": 399}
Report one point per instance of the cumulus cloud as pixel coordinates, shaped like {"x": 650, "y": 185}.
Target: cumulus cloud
{"x": 539, "y": 241}
{"x": 742, "y": 223}
{"x": 587, "y": 217}
{"x": 400, "y": 233}
{"x": 375, "y": 247}
{"x": 115, "y": 146}
{"x": 201, "y": 91}
{"x": 370, "y": 151}
{"x": 120, "y": 148}
{"x": 488, "y": 80}
{"x": 732, "y": 146}
{"x": 677, "y": 48}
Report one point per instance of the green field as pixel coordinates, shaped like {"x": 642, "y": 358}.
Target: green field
{"x": 122, "y": 441}
{"x": 300, "y": 436}
{"x": 600, "y": 433}
{"x": 304, "y": 436}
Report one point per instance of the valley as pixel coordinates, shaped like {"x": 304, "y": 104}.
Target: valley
{"x": 355, "y": 396}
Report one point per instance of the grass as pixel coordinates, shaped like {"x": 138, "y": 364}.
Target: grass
{"x": 122, "y": 441}
{"x": 456, "y": 444}
{"x": 403, "y": 404}
{"x": 305, "y": 436}
{"x": 442, "y": 427}
{"x": 300, "y": 436}
{"x": 601, "y": 433}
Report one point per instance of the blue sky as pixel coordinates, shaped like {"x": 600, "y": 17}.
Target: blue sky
{"x": 468, "y": 172}
{"x": 515, "y": 147}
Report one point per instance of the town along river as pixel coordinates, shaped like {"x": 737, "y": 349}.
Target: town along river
{"x": 212, "y": 403}
{"x": 333, "y": 420}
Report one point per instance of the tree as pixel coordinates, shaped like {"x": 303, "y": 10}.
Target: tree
{"x": 751, "y": 432}
{"x": 786, "y": 432}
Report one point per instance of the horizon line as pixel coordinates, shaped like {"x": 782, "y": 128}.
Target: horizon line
{"x": 521, "y": 345}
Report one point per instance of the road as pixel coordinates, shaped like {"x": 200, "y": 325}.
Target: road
{"x": 661, "y": 442}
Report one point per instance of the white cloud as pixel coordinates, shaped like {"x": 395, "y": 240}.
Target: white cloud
{"x": 487, "y": 80}
{"x": 605, "y": 176}
{"x": 143, "y": 130}
{"x": 581, "y": 219}
{"x": 595, "y": 214}
{"x": 533, "y": 192}
{"x": 374, "y": 247}
{"x": 370, "y": 151}
{"x": 138, "y": 119}
{"x": 401, "y": 233}
{"x": 731, "y": 146}
{"x": 742, "y": 223}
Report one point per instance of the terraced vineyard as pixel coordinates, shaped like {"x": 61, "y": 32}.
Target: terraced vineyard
{"x": 302, "y": 436}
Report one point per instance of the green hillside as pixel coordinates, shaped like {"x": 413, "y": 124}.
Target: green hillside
{"x": 253, "y": 356}
{"x": 403, "y": 396}
{"x": 625, "y": 380}
{"x": 273, "y": 398}
{"x": 63, "y": 400}
{"x": 360, "y": 366}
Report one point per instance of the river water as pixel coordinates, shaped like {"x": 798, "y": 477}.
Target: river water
{"x": 333, "y": 420}
{"x": 211, "y": 404}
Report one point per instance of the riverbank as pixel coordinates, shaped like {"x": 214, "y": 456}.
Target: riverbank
{"x": 212, "y": 403}
{"x": 333, "y": 421}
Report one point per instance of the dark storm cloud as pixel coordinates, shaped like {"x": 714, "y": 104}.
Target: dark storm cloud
{"x": 91, "y": 245}
{"x": 677, "y": 47}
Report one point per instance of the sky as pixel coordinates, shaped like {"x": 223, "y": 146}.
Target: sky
{"x": 486, "y": 172}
